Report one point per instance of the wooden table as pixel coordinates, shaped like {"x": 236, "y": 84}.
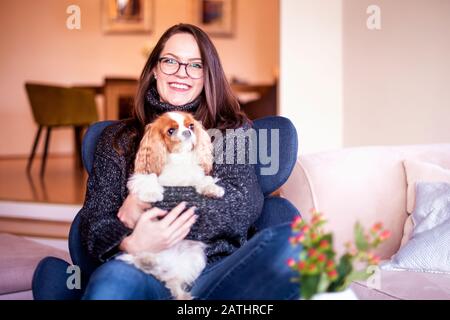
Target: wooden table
{"x": 256, "y": 100}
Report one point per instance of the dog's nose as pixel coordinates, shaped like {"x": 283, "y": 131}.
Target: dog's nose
{"x": 186, "y": 133}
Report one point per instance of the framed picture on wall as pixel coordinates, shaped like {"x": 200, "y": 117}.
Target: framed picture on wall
{"x": 216, "y": 17}
{"x": 127, "y": 16}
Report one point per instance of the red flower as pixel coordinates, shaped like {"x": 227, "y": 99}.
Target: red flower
{"x": 301, "y": 265}
{"x": 384, "y": 235}
{"x": 321, "y": 257}
{"x": 300, "y": 237}
{"x": 377, "y": 227}
{"x": 312, "y": 252}
{"x": 306, "y": 229}
{"x": 332, "y": 275}
{"x": 375, "y": 259}
{"x": 324, "y": 244}
{"x": 291, "y": 262}
{"x": 330, "y": 265}
{"x": 317, "y": 218}
{"x": 298, "y": 220}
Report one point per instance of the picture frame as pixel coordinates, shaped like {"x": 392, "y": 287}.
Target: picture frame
{"x": 215, "y": 17}
{"x": 127, "y": 16}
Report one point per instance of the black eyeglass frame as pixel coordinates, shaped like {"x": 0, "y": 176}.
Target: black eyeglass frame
{"x": 178, "y": 69}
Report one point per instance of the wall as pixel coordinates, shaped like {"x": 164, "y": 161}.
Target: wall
{"x": 311, "y": 71}
{"x": 37, "y": 46}
{"x": 344, "y": 85}
{"x": 397, "y": 79}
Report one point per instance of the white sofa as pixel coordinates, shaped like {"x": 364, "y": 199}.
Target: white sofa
{"x": 368, "y": 184}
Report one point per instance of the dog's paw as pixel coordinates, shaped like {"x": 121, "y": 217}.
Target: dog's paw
{"x": 152, "y": 195}
{"x": 146, "y": 187}
{"x": 213, "y": 191}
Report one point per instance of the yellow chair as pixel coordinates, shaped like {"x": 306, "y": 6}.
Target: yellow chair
{"x": 57, "y": 106}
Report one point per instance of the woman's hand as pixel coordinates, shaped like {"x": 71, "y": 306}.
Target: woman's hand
{"x": 131, "y": 210}
{"x": 153, "y": 235}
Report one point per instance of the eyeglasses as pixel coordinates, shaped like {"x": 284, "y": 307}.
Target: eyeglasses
{"x": 171, "y": 66}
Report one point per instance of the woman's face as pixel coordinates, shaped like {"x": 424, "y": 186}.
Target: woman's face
{"x": 179, "y": 88}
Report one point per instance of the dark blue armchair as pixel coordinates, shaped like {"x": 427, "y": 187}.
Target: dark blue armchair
{"x": 51, "y": 275}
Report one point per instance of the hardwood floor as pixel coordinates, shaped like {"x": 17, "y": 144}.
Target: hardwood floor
{"x": 35, "y": 228}
{"x": 40, "y": 207}
{"x": 63, "y": 181}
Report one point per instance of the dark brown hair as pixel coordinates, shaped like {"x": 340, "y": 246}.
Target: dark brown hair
{"x": 218, "y": 108}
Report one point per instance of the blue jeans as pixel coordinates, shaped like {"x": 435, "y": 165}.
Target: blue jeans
{"x": 258, "y": 270}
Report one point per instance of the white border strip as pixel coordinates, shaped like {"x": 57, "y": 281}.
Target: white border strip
{"x": 38, "y": 211}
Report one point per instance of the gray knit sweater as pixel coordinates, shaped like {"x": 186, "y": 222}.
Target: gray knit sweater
{"x": 222, "y": 224}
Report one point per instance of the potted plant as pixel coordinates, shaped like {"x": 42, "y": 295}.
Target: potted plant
{"x": 321, "y": 274}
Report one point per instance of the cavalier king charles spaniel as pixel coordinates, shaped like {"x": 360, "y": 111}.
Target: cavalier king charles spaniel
{"x": 174, "y": 151}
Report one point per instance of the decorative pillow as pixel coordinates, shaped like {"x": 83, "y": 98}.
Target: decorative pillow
{"x": 428, "y": 250}
{"x": 417, "y": 171}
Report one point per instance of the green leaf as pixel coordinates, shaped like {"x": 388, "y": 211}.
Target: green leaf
{"x": 354, "y": 276}
{"x": 344, "y": 268}
{"x": 360, "y": 239}
{"x": 324, "y": 283}
{"x": 329, "y": 252}
{"x": 309, "y": 286}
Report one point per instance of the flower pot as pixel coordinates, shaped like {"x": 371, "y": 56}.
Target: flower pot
{"x": 347, "y": 294}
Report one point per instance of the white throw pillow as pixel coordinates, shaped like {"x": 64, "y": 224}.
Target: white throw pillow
{"x": 428, "y": 250}
{"x": 418, "y": 171}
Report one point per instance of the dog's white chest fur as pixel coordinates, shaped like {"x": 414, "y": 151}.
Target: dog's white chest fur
{"x": 181, "y": 169}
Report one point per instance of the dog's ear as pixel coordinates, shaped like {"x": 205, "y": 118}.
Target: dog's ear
{"x": 203, "y": 147}
{"x": 152, "y": 152}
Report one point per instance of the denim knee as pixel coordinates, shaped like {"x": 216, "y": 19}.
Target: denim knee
{"x": 280, "y": 233}
{"x": 283, "y": 249}
{"x": 117, "y": 280}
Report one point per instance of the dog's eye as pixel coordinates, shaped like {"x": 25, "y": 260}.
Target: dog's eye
{"x": 191, "y": 126}
{"x": 170, "y": 131}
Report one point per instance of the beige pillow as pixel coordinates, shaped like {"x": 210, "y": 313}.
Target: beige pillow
{"x": 418, "y": 171}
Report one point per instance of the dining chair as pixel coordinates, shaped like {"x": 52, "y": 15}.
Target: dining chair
{"x": 58, "y": 106}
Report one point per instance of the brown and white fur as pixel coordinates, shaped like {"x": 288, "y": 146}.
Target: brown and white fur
{"x": 174, "y": 151}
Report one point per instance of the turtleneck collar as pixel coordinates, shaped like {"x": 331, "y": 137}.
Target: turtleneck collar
{"x": 158, "y": 107}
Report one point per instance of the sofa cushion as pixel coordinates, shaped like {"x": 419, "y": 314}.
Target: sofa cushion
{"x": 20, "y": 257}
{"x": 407, "y": 285}
{"x": 419, "y": 171}
{"x": 428, "y": 249}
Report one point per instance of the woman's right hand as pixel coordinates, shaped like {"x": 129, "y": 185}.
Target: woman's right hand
{"x": 131, "y": 210}
{"x": 154, "y": 235}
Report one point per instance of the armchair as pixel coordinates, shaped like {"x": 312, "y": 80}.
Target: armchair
{"x": 50, "y": 276}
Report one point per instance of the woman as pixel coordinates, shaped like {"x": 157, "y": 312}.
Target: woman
{"x": 182, "y": 73}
